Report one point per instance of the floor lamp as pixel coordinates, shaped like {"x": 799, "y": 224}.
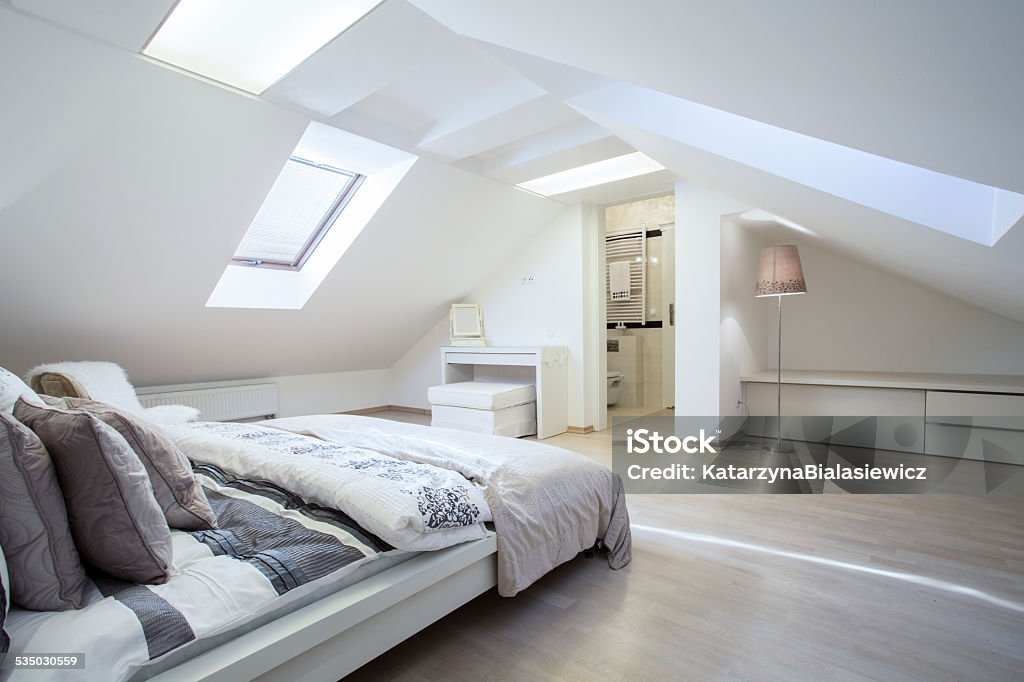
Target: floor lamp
{"x": 780, "y": 274}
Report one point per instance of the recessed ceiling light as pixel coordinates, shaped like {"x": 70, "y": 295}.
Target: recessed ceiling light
{"x": 592, "y": 174}
{"x": 250, "y": 44}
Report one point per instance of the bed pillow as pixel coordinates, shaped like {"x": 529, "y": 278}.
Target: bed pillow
{"x": 12, "y": 388}
{"x": 5, "y": 601}
{"x": 46, "y": 572}
{"x": 177, "y": 491}
{"x": 115, "y": 520}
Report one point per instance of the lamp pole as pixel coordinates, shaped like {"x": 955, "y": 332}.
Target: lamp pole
{"x": 779, "y": 446}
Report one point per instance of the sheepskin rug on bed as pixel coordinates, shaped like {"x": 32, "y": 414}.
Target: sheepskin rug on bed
{"x": 108, "y": 383}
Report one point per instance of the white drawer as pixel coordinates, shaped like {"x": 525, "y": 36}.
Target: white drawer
{"x": 804, "y": 400}
{"x": 990, "y": 445}
{"x": 987, "y": 410}
{"x": 881, "y": 418}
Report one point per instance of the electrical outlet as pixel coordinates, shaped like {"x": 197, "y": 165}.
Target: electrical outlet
{"x": 528, "y": 279}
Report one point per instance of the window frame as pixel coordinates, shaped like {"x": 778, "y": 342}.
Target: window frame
{"x": 324, "y": 226}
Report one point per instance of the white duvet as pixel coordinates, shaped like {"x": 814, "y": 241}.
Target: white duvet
{"x": 547, "y": 504}
{"x": 411, "y": 506}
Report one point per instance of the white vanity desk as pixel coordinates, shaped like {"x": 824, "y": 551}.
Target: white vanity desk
{"x": 550, "y": 370}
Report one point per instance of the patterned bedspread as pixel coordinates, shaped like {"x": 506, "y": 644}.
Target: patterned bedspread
{"x": 413, "y": 506}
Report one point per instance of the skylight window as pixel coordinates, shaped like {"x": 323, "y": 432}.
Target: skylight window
{"x": 593, "y": 174}
{"x": 312, "y": 197}
{"x": 304, "y": 202}
{"x": 250, "y": 44}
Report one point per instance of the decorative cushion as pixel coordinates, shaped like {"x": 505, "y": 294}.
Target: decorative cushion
{"x": 58, "y": 385}
{"x": 47, "y": 574}
{"x": 116, "y": 522}
{"x": 175, "y": 486}
{"x": 481, "y": 395}
{"x": 12, "y": 388}
{"x": 5, "y": 603}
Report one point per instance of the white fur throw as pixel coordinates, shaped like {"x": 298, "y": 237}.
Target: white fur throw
{"x": 108, "y": 383}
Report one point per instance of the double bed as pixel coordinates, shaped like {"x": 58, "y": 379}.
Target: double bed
{"x": 336, "y": 538}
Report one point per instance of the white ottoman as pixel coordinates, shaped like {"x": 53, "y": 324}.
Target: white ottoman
{"x": 485, "y": 407}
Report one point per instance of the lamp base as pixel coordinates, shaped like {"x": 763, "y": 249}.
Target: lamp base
{"x": 780, "y": 447}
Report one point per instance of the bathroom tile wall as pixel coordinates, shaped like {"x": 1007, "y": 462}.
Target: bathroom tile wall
{"x": 653, "y": 212}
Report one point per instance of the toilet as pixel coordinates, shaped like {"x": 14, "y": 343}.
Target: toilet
{"x": 614, "y": 387}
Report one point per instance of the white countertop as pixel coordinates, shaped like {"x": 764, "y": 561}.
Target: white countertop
{"x": 498, "y": 349}
{"x": 980, "y": 383}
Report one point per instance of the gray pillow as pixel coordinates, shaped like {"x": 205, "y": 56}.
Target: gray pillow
{"x": 47, "y": 574}
{"x": 177, "y": 491}
{"x": 5, "y": 602}
{"x": 117, "y": 524}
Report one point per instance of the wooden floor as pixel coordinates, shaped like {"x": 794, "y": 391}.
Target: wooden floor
{"x": 756, "y": 587}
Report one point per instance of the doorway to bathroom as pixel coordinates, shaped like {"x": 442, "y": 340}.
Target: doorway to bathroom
{"x": 640, "y": 305}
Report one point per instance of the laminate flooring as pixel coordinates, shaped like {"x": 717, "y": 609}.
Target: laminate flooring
{"x": 755, "y": 587}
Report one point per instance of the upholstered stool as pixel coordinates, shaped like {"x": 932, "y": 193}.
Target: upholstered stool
{"x": 485, "y": 407}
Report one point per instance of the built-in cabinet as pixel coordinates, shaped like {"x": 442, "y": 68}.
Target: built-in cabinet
{"x": 977, "y": 417}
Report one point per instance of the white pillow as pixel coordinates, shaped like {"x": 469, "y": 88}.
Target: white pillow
{"x": 11, "y": 388}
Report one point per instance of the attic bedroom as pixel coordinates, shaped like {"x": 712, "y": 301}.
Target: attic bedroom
{"x": 448, "y": 340}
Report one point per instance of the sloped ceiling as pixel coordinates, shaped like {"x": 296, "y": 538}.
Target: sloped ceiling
{"x": 114, "y": 239}
{"x": 131, "y": 184}
{"x": 932, "y": 83}
{"x": 930, "y": 88}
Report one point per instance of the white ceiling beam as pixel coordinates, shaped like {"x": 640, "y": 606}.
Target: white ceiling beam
{"x": 387, "y": 44}
{"x": 987, "y": 277}
{"x": 453, "y": 139}
{"x": 536, "y": 161}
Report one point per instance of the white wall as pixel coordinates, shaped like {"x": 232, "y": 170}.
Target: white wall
{"x": 698, "y": 303}
{"x": 856, "y": 317}
{"x": 550, "y": 311}
{"x": 746, "y": 321}
{"x": 311, "y": 393}
{"x": 594, "y": 332}
{"x": 419, "y": 368}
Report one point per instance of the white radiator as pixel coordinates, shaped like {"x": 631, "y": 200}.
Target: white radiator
{"x": 221, "y": 404}
{"x": 627, "y": 245}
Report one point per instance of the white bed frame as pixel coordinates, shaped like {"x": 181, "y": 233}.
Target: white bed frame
{"x": 333, "y": 636}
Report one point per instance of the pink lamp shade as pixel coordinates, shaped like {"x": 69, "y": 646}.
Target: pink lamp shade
{"x": 780, "y": 272}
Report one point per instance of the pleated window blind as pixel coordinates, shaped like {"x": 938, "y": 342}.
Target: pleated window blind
{"x": 302, "y": 205}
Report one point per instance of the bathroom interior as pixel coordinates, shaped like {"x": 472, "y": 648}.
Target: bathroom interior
{"x": 640, "y": 293}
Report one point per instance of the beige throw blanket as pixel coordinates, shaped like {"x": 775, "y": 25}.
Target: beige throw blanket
{"x": 548, "y": 504}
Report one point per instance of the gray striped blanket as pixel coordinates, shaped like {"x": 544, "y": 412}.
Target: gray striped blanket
{"x": 269, "y": 544}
